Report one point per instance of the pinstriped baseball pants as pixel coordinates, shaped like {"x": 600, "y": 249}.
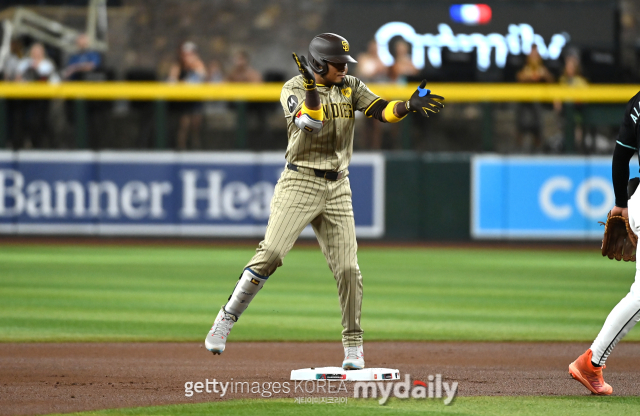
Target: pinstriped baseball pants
{"x": 298, "y": 200}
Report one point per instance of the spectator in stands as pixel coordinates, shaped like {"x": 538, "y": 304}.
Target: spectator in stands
{"x": 534, "y": 69}
{"x": 571, "y": 77}
{"x": 191, "y": 70}
{"x": 36, "y": 66}
{"x": 34, "y": 114}
{"x": 529, "y": 115}
{"x": 371, "y": 69}
{"x": 85, "y": 65}
{"x": 241, "y": 71}
{"x": 256, "y": 113}
{"x": 403, "y": 66}
{"x": 400, "y": 71}
{"x": 215, "y": 76}
{"x": 572, "y": 73}
{"x": 10, "y": 66}
{"x": 84, "y": 61}
{"x": 10, "y": 73}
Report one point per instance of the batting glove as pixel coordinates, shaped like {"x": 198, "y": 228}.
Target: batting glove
{"x": 423, "y": 102}
{"x": 306, "y": 71}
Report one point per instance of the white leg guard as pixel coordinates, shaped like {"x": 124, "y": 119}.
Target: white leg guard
{"x": 621, "y": 319}
{"x": 248, "y": 285}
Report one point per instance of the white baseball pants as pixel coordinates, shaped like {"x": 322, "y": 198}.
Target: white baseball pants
{"x": 626, "y": 314}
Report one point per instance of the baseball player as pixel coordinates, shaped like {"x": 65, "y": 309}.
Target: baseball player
{"x": 587, "y": 368}
{"x": 319, "y": 107}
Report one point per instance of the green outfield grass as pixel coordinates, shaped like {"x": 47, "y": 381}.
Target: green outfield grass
{"x": 480, "y": 406}
{"x": 93, "y": 293}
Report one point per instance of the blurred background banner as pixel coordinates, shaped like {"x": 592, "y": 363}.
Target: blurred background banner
{"x": 541, "y": 197}
{"x": 162, "y": 194}
{"x": 490, "y": 43}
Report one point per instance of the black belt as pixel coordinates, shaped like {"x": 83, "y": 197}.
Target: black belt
{"x": 330, "y": 175}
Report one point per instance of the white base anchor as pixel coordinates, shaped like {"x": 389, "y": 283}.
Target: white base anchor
{"x": 338, "y": 373}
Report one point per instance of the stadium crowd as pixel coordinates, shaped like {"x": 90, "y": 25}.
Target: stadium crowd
{"x": 33, "y": 123}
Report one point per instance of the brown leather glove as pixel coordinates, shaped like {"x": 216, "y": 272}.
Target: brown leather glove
{"x": 619, "y": 241}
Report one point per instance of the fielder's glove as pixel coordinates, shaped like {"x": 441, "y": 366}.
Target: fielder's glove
{"x": 306, "y": 71}
{"x": 423, "y": 102}
{"x": 619, "y": 241}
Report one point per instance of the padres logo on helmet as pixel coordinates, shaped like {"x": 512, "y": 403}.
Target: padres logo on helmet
{"x": 328, "y": 47}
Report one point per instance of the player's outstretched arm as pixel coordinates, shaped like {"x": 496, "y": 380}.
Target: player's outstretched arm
{"x": 422, "y": 101}
{"x": 620, "y": 177}
{"x": 619, "y": 241}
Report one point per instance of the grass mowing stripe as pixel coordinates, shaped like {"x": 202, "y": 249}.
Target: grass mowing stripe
{"x": 91, "y": 293}
{"x": 473, "y": 406}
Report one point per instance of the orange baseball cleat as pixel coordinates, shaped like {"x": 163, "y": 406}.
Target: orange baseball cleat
{"x": 583, "y": 371}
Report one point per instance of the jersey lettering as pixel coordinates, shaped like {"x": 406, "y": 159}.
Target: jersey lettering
{"x": 635, "y": 118}
{"x": 347, "y": 110}
{"x": 337, "y": 110}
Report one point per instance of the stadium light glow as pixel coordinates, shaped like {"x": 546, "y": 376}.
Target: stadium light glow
{"x": 519, "y": 40}
{"x": 470, "y": 14}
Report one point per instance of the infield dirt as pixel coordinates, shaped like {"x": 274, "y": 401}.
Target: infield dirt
{"x": 39, "y": 378}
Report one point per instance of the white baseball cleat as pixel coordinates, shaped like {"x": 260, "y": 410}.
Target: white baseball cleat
{"x": 217, "y": 338}
{"x": 353, "y": 358}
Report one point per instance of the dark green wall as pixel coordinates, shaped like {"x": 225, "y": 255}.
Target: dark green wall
{"x": 427, "y": 196}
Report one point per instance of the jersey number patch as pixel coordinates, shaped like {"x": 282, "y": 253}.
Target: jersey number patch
{"x": 292, "y": 103}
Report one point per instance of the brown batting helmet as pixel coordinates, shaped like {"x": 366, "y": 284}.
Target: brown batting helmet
{"x": 328, "y": 47}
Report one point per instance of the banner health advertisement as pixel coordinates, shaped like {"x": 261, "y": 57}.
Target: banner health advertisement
{"x": 161, "y": 193}
{"x": 541, "y": 197}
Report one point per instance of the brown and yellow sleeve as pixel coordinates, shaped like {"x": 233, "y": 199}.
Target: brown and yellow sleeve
{"x": 362, "y": 96}
{"x": 292, "y": 97}
{"x": 376, "y": 107}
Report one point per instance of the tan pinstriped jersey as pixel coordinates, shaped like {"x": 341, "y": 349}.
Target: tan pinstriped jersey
{"x": 331, "y": 148}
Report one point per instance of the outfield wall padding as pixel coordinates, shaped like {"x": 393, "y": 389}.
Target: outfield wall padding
{"x": 427, "y": 196}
